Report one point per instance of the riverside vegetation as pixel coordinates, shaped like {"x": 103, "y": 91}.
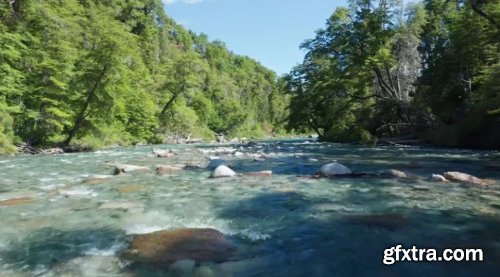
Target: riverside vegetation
{"x": 89, "y": 73}
{"x": 380, "y": 69}
{"x": 92, "y": 73}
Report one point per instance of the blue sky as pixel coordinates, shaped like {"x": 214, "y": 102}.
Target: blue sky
{"x": 269, "y": 31}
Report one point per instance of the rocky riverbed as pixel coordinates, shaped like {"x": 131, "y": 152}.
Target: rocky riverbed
{"x": 275, "y": 208}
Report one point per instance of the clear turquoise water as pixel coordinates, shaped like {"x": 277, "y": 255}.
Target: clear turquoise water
{"x": 285, "y": 225}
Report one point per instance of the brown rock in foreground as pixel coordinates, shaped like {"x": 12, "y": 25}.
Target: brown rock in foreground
{"x": 463, "y": 177}
{"x": 166, "y": 247}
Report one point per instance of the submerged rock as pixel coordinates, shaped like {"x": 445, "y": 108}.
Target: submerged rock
{"x": 17, "y": 201}
{"x": 265, "y": 173}
{"x": 167, "y": 247}
{"x": 332, "y": 169}
{"x": 125, "y": 168}
{"x": 96, "y": 179}
{"x": 464, "y": 177}
{"x": 182, "y": 268}
{"x": 127, "y": 206}
{"x": 168, "y": 169}
{"x": 438, "y": 178}
{"x": 164, "y": 153}
{"x": 390, "y": 222}
{"x": 222, "y": 171}
{"x": 393, "y": 173}
{"x": 130, "y": 188}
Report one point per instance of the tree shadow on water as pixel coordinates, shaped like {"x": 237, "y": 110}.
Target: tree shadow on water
{"x": 294, "y": 234}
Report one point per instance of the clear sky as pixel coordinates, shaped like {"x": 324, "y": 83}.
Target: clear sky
{"x": 269, "y": 31}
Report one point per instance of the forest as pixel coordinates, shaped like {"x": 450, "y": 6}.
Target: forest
{"x": 428, "y": 71}
{"x": 92, "y": 73}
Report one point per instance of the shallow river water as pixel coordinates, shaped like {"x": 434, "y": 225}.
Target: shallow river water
{"x": 284, "y": 225}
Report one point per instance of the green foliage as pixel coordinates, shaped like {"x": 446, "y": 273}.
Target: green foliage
{"x": 460, "y": 74}
{"x": 431, "y": 72}
{"x": 94, "y": 73}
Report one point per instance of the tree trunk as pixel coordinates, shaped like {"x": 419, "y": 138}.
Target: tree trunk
{"x": 172, "y": 99}
{"x": 83, "y": 113}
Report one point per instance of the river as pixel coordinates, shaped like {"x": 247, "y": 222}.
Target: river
{"x": 285, "y": 225}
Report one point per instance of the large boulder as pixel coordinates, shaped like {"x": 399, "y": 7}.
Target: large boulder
{"x": 126, "y": 168}
{"x": 464, "y": 177}
{"x": 332, "y": 169}
{"x": 222, "y": 171}
{"x": 164, "y": 248}
{"x": 168, "y": 169}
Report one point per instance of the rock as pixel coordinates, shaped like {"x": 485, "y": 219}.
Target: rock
{"x": 130, "y": 188}
{"x": 164, "y": 248}
{"x": 390, "y": 222}
{"x": 220, "y": 138}
{"x": 182, "y": 268}
{"x": 164, "y": 153}
{"x": 125, "y": 168}
{"x": 265, "y": 173}
{"x": 52, "y": 151}
{"x": 489, "y": 181}
{"x": 122, "y": 206}
{"x": 332, "y": 169}
{"x": 463, "y": 177}
{"x": 438, "y": 178}
{"x": 17, "y": 201}
{"x": 222, "y": 171}
{"x": 213, "y": 158}
{"x": 235, "y": 141}
{"x": 393, "y": 173}
{"x": 216, "y": 163}
{"x": 96, "y": 179}
{"x": 192, "y": 166}
{"x": 168, "y": 169}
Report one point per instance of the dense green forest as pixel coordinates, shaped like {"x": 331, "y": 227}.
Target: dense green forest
{"x": 380, "y": 68}
{"x": 99, "y": 72}
{"x": 91, "y": 73}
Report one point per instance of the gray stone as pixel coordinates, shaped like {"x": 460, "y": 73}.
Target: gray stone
{"x": 223, "y": 171}
{"x": 332, "y": 169}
